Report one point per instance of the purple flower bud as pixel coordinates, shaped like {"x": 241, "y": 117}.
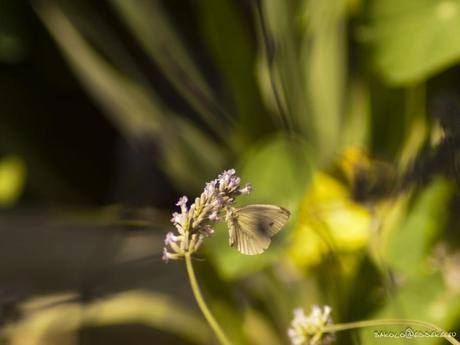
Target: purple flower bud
{"x": 166, "y": 255}
{"x": 207, "y": 230}
{"x": 182, "y": 203}
{"x": 210, "y": 188}
{"x": 176, "y": 218}
{"x": 224, "y": 178}
{"x": 246, "y": 190}
{"x": 171, "y": 238}
{"x": 218, "y": 202}
{"x": 213, "y": 216}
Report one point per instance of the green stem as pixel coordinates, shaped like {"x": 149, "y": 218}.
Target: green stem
{"x": 202, "y": 304}
{"x": 385, "y": 322}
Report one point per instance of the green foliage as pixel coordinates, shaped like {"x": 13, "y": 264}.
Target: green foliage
{"x": 280, "y": 90}
{"x": 414, "y": 39}
{"x": 420, "y": 227}
{"x": 281, "y": 168}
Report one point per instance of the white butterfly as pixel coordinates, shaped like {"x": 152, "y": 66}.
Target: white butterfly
{"x": 251, "y": 227}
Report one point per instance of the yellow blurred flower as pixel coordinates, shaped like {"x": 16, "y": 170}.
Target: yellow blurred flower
{"x": 329, "y": 220}
{"x": 12, "y": 179}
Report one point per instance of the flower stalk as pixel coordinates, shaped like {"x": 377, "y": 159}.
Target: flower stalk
{"x": 202, "y": 304}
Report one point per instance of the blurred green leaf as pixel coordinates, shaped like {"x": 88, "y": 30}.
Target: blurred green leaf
{"x": 151, "y": 309}
{"x": 409, "y": 242}
{"x": 308, "y": 68}
{"x": 280, "y": 19}
{"x": 127, "y": 105}
{"x": 280, "y": 169}
{"x": 414, "y": 39}
{"x": 152, "y": 27}
{"x": 357, "y": 120}
{"x": 258, "y": 330}
{"x": 324, "y": 51}
{"x": 415, "y": 125}
{"x": 231, "y": 319}
{"x": 230, "y": 42}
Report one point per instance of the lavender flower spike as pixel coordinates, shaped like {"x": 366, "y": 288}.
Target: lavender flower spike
{"x": 194, "y": 223}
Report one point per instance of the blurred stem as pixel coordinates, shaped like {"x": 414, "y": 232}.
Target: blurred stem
{"x": 269, "y": 47}
{"x": 415, "y": 124}
{"x": 202, "y": 304}
{"x": 387, "y": 322}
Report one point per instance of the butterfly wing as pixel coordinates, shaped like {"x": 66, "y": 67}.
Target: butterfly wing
{"x": 247, "y": 242}
{"x": 268, "y": 220}
{"x": 251, "y": 227}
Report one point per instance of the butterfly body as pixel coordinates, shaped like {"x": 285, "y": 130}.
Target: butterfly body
{"x": 251, "y": 227}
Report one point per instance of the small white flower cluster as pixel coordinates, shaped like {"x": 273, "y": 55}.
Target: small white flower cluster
{"x": 194, "y": 223}
{"x": 309, "y": 329}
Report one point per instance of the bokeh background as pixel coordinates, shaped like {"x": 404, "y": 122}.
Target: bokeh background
{"x": 346, "y": 112}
